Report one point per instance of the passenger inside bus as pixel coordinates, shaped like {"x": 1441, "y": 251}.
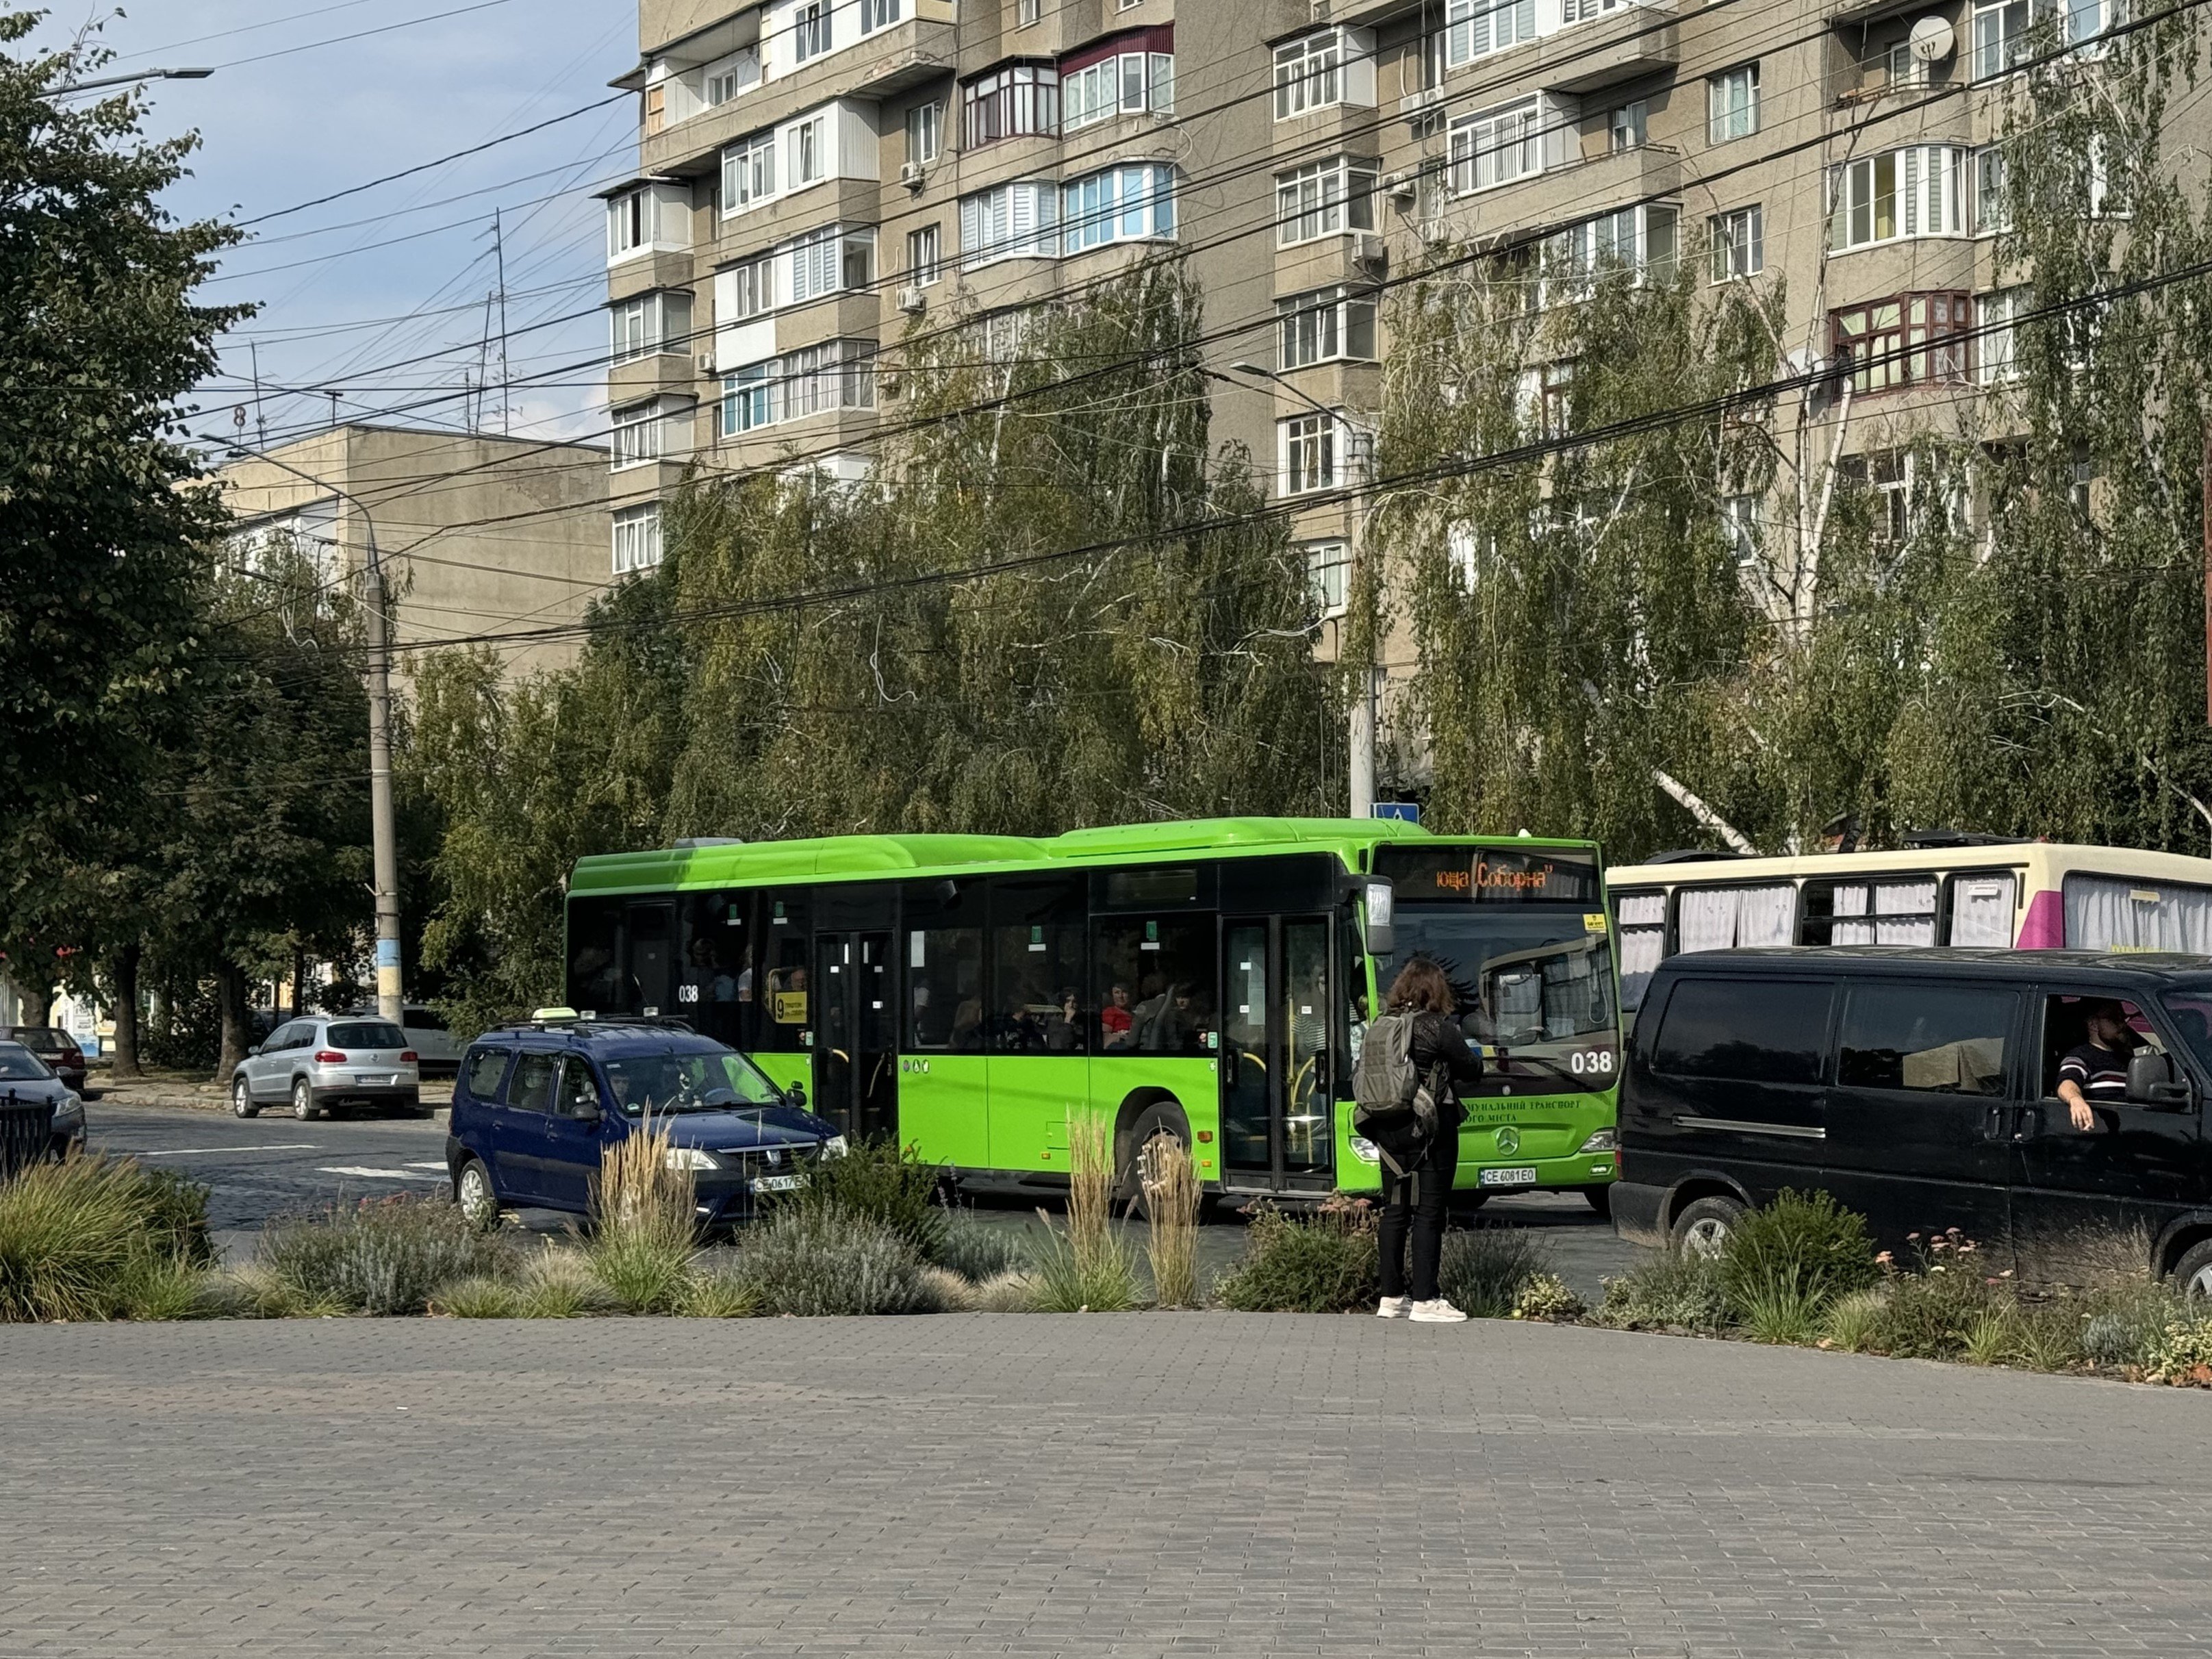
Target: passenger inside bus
{"x": 968, "y": 1026}
{"x": 1115, "y": 1021}
{"x": 1063, "y": 1032}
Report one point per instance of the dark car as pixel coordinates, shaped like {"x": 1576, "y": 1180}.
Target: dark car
{"x": 535, "y": 1105}
{"x": 54, "y": 1046}
{"x": 24, "y": 1076}
{"x": 1920, "y": 1087}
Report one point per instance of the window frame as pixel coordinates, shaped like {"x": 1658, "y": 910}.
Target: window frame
{"x": 1083, "y": 228}
{"x": 1919, "y": 182}
{"x": 1311, "y": 450}
{"x": 1738, "y": 243}
{"x": 643, "y": 521}
{"x": 1927, "y": 352}
{"x": 1329, "y": 578}
{"x": 1477, "y": 149}
{"x": 1732, "y": 100}
{"x": 1471, "y": 32}
{"x": 1325, "y": 198}
{"x": 1001, "y": 202}
{"x": 1020, "y": 100}
{"x": 1342, "y": 312}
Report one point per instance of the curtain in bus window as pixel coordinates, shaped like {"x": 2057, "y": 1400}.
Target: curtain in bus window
{"x": 1705, "y": 917}
{"x": 2105, "y": 914}
{"x": 1643, "y": 918}
{"x": 1767, "y": 915}
{"x": 1850, "y": 901}
{"x": 1982, "y": 910}
{"x": 1905, "y": 912}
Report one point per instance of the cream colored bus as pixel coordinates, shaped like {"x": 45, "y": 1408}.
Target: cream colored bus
{"x": 1940, "y": 889}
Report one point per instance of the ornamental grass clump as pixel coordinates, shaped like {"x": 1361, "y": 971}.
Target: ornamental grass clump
{"x": 1087, "y": 1268}
{"x": 1167, "y": 1179}
{"x": 644, "y": 1220}
{"x": 99, "y": 1238}
{"x": 1323, "y": 1262}
{"x": 380, "y": 1256}
{"x": 1485, "y": 1269}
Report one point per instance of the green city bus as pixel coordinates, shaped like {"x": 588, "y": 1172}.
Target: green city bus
{"x": 1208, "y": 980}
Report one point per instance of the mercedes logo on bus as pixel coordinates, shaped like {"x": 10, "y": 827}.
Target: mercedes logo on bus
{"x": 1509, "y": 1140}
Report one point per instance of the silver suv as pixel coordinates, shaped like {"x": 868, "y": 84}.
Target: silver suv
{"x": 330, "y": 1061}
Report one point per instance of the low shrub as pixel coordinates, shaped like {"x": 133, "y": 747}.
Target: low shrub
{"x": 1545, "y": 1295}
{"x": 977, "y": 1251}
{"x": 717, "y": 1295}
{"x": 2125, "y": 1329}
{"x": 827, "y": 1261}
{"x": 1926, "y": 1315}
{"x": 478, "y": 1298}
{"x": 1323, "y": 1262}
{"x": 879, "y": 1180}
{"x": 1801, "y": 1252}
{"x": 2181, "y": 1352}
{"x": 96, "y": 1238}
{"x": 1992, "y": 1334}
{"x": 387, "y": 1256}
{"x": 1666, "y": 1293}
{"x": 1485, "y": 1269}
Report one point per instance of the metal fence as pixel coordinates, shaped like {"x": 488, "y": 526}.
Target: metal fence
{"x": 26, "y": 1128}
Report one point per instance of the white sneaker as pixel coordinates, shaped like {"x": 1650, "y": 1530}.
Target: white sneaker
{"x": 1394, "y": 1307}
{"x": 1439, "y": 1312}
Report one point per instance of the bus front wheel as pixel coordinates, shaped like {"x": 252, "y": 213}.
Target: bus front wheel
{"x": 1150, "y": 1125}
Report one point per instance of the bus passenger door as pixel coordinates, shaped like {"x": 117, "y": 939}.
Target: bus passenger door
{"x": 1277, "y": 1076}
{"x": 830, "y": 1012}
{"x": 855, "y": 1069}
{"x": 651, "y": 940}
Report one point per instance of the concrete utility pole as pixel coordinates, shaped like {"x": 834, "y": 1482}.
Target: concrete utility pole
{"x": 383, "y": 831}
{"x": 1360, "y": 766}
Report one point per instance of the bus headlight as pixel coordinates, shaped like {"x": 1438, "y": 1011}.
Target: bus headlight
{"x": 689, "y": 1157}
{"x": 1365, "y": 1150}
{"x": 1605, "y": 1140}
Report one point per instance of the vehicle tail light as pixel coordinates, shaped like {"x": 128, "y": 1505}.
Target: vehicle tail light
{"x": 407, "y": 1056}
{"x": 329, "y": 1057}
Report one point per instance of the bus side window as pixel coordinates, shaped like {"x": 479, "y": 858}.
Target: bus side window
{"x": 783, "y": 993}
{"x": 1167, "y": 970}
{"x": 1036, "y": 965}
{"x": 595, "y": 978}
{"x": 713, "y": 981}
{"x": 944, "y": 990}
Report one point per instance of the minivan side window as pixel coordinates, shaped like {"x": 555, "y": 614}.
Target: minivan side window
{"x": 486, "y": 1067}
{"x": 1743, "y": 1030}
{"x": 533, "y": 1083}
{"x": 1933, "y": 1039}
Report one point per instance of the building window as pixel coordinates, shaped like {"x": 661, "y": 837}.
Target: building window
{"x": 1910, "y": 339}
{"x": 1638, "y": 241}
{"x": 1992, "y": 204}
{"x": 648, "y": 324}
{"x": 1121, "y": 204}
{"x": 1739, "y": 243}
{"x": 731, "y": 77}
{"x": 1029, "y": 12}
{"x": 1309, "y": 73}
{"x": 880, "y": 15}
{"x": 924, "y": 256}
{"x": 746, "y": 290}
{"x": 632, "y": 221}
{"x": 829, "y": 261}
{"x": 925, "y": 132}
{"x": 1329, "y": 569}
{"x": 1020, "y": 101}
{"x": 748, "y": 171}
{"x": 1994, "y": 361}
{"x": 1326, "y": 199}
{"x": 810, "y": 152}
{"x": 1328, "y": 324}
{"x": 1740, "y": 525}
{"x": 1473, "y": 28}
{"x": 1495, "y": 148}
{"x": 637, "y": 433}
{"x": 1629, "y": 126}
{"x": 2000, "y": 36}
{"x": 836, "y": 375}
{"x": 1308, "y": 452}
{"x": 1582, "y": 11}
{"x": 1917, "y": 191}
{"x": 745, "y": 399}
{"x": 1127, "y": 84}
{"x": 1732, "y": 104}
{"x": 1016, "y": 220}
{"x": 637, "y": 538}
{"x": 810, "y": 30}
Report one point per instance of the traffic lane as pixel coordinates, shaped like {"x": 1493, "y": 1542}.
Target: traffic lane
{"x": 259, "y": 1167}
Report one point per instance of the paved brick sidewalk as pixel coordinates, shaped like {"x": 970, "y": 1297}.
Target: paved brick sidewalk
{"x": 1144, "y": 1485}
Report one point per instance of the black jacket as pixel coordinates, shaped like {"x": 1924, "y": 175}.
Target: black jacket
{"x": 1437, "y": 1041}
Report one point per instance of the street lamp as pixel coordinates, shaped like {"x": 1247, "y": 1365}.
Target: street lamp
{"x": 383, "y": 836}
{"x": 1359, "y": 761}
{"x": 128, "y": 80}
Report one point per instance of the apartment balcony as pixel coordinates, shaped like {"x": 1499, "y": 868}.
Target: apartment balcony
{"x": 834, "y": 201}
{"x": 642, "y": 273}
{"x": 1563, "y": 195}
{"x": 1626, "y": 44}
{"x": 672, "y": 372}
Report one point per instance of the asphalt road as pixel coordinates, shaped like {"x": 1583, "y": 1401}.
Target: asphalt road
{"x": 271, "y": 1165}
{"x": 1131, "y": 1487}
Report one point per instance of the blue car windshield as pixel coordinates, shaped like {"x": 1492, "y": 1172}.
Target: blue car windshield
{"x": 689, "y": 1081}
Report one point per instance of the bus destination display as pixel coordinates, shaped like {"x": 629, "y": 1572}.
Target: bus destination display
{"x": 1489, "y": 875}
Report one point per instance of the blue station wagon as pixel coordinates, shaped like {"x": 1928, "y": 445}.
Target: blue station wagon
{"x": 535, "y": 1104}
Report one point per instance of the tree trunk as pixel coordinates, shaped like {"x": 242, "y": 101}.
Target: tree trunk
{"x": 124, "y": 973}
{"x": 230, "y": 996}
{"x": 37, "y": 1003}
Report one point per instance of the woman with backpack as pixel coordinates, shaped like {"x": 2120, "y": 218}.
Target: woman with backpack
{"x": 1417, "y": 1191}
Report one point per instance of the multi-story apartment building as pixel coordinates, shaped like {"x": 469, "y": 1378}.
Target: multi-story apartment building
{"x": 815, "y": 172}
{"x": 478, "y": 533}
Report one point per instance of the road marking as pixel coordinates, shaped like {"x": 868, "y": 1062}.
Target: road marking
{"x": 210, "y": 1151}
{"x": 366, "y": 1173}
{"x": 440, "y": 1166}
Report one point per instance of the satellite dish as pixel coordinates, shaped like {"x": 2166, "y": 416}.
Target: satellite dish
{"x": 1932, "y": 40}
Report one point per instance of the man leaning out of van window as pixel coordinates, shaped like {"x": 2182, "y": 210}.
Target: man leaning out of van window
{"x": 2097, "y": 1070}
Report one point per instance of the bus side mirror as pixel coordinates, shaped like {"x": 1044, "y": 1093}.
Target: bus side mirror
{"x": 1381, "y": 900}
{"x": 2154, "y": 1080}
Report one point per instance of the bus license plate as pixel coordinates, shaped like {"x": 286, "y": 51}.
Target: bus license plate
{"x": 1526, "y": 1177}
{"x": 790, "y": 1183}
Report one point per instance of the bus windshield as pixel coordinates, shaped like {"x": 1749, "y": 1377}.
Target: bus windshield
{"x": 1534, "y": 991}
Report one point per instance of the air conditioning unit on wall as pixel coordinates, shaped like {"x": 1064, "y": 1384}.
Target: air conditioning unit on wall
{"x": 1368, "y": 252}
{"x": 913, "y": 175}
{"x": 912, "y": 302}
{"x": 706, "y": 362}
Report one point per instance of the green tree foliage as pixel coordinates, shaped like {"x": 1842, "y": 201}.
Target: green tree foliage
{"x": 1050, "y": 605}
{"x": 99, "y": 545}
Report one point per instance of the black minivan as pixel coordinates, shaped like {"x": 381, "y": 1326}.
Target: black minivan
{"x": 1920, "y": 1088}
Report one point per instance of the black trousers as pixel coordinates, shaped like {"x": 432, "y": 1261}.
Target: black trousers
{"x": 1414, "y": 1204}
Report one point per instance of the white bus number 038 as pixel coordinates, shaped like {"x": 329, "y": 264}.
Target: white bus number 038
{"x": 1591, "y": 1062}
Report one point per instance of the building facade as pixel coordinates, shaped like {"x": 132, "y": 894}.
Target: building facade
{"x": 816, "y": 174}
{"x": 478, "y": 534}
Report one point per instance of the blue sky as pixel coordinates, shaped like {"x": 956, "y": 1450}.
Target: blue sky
{"x": 293, "y": 112}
